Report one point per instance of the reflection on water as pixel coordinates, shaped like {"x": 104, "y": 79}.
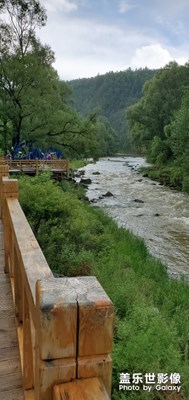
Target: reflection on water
{"x": 154, "y": 212}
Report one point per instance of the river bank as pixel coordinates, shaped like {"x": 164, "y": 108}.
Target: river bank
{"x": 165, "y": 175}
{"x": 151, "y": 310}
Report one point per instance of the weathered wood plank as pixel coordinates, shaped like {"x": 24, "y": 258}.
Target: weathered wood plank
{"x": 57, "y": 316}
{"x": 30, "y": 257}
{"x": 6, "y": 302}
{"x": 28, "y": 375}
{"x": 15, "y": 394}
{"x": 100, "y": 366}
{"x": 8, "y": 353}
{"x": 9, "y": 366}
{"x": 8, "y": 337}
{"x": 51, "y": 373}
{"x": 10, "y": 382}
{"x": 29, "y": 395}
{"x": 86, "y": 389}
{"x": 7, "y": 319}
{"x": 10, "y": 371}
{"x": 18, "y": 289}
{"x": 96, "y": 315}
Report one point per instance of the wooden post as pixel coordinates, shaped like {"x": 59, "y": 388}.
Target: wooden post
{"x": 68, "y": 168}
{"x": 4, "y": 171}
{"x": 7, "y": 237}
{"x": 55, "y": 360}
{"x": 9, "y": 190}
{"x": 18, "y": 288}
{"x": 96, "y": 315}
{"x": 37, "y": 166}
{"x": 72, "y": 314}
{"x": 28, "y": 375}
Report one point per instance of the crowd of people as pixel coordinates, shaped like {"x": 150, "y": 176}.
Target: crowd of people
{"x": 46, "y": 156}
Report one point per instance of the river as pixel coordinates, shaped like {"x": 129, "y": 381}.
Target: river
{"x": 154, "y": 212}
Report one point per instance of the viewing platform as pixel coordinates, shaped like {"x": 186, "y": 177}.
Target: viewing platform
{"x": 55, "y": 333}
{"x": 34, "y": 167}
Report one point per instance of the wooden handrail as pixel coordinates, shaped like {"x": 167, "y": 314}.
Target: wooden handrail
{"x": 37, "y": 165}
{"x": 65, "y": 324}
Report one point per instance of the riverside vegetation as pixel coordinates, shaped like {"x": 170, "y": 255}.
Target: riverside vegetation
{"x": 159, "y": 123}
{"x": 151, "y": 329}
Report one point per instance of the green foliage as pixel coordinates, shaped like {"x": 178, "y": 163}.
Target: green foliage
{"x": 76, "y": 164}
{"x": 185, "y": 184}
{"x": 34, "y": 103}
{"x": 170, "y": 175}
{"x": 161, "y": 98}
{"x": 112, "y": 93}
{"x": 151, "y": 331}
{"x": 160, "y": 123}
{"x": 159, "y": 152}
{"x": 179, "y": 139}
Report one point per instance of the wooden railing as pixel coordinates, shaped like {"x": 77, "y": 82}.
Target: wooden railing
{"x": 37, "y": 165}
{"x": 65, "y": 324}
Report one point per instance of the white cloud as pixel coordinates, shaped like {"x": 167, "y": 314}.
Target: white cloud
{"x": 151, "y": 56}
{"x": 90, "y": 47}
{"x": 124, "y": 6}
{"x": 86, "y": 43}
{"x": 66, "y": 6}
{"x": 85, "y": 67}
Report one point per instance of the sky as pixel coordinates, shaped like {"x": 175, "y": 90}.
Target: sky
{"x": 91, "y": 37}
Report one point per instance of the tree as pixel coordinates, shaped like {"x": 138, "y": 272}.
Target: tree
{"x": 34, "y": 103}
{"x": 21, "y": 17}
{"x": 179, "y": 133}
{"x": 153, "y": 114}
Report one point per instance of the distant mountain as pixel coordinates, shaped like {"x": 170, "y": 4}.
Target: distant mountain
{"x": 111, "y": 93}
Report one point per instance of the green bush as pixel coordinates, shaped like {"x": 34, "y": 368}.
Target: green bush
{"x": 185, "y": 184}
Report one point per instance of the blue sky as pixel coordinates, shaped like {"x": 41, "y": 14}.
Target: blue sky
{"x": 91, "y": 37}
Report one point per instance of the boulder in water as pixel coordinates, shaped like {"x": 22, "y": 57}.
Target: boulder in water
{"x": 85, "y": 181}
{"x": 138, "y": 201}
{"x": 108, "y": 194}
{"x": 77, "y": 174}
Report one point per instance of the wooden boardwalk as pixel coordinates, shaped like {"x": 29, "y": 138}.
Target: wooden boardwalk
{"x": 34, "y": 167}
{"x": 10, "y": 369}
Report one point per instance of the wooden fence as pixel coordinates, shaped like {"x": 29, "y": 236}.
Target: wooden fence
{"x": 36, "y": 166}
{"x": 64, "y": 324}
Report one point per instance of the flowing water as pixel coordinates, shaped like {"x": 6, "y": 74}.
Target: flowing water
{"x": 154, "y": 212}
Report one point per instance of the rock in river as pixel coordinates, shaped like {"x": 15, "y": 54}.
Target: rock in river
{"x": 108, "y": 194}
{"x": 138, "y": 201}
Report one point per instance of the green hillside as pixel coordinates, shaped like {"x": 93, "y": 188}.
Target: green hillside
{"x": 111, "y": 94}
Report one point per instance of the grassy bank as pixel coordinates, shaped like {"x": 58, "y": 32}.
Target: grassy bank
{"x": 75, "y": 164}
{"x": 151, "y": 330}
{"x": 169, "y": 175}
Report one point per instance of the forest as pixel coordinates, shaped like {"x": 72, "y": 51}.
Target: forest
{"x": 159, "y": 123}
{"x": 110, "y": 95}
